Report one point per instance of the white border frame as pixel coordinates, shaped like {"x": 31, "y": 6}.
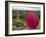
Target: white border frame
{"x": 24, "y": 31}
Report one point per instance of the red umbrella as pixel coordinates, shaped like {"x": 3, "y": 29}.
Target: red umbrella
{"x": 32, "y": 20}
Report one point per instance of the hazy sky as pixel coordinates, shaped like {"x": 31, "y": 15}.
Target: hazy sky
{"x": 26, "y": 8}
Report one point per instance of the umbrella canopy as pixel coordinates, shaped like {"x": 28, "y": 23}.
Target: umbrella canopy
{"x": 32, "y": 20}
